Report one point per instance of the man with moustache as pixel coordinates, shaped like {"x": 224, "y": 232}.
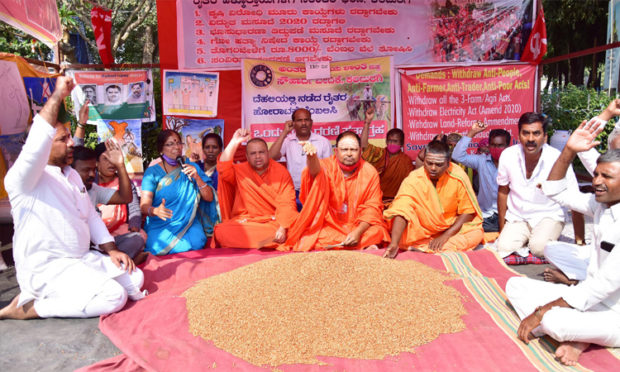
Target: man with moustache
{"x": 342, "y": 201}
{"x": 435, "y": 209}
{"x": 257, "y": 198}
{"x": 588, "y": 312}
{"x": 288, "y": 146}
{"x": 528, "y": 219}
{"x": 58, "y": 275}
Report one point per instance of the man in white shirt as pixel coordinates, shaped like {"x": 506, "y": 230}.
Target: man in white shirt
{"x": 527, "y": 218}
{"x": 54, "y": 223}
{"x": 572, "y": 260}
{"x": 287, "y": 146}
{"x": 588, "y": 312}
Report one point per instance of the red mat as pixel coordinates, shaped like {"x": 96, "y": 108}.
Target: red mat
{"x": 153, "y": 333}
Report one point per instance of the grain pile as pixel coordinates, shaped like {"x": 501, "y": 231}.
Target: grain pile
{"x": 292, "y": 308}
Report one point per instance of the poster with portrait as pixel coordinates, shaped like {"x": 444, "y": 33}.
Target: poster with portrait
{"x": 128, "y": 133}
{"x": 190, "y": 93}
{"x": 192, "y": 131}
{"x": 117, "y": 95}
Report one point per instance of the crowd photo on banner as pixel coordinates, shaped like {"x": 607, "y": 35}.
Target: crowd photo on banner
{"x": 340, "y": 183}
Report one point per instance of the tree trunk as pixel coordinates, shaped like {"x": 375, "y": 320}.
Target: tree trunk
{"x": 149, "y": 46}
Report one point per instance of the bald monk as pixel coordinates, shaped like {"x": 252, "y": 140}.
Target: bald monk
{"x": 342, "y": 200}
{"x": 392, "y": 164}
{"x": 435, "y": 209}
{"x": 257, "y": 197}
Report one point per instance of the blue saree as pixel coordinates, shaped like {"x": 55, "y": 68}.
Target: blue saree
{"x": 192, "y": 218}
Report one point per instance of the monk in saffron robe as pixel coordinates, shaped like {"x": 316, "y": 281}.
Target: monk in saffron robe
{"x": 392, "y": 164}
{"x": 257, "y": 197}
{"x": 435, "y": 209}
{"x": 341, "y": 201}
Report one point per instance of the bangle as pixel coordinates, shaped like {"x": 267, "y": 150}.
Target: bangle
{"x": 80, "y": 125}
{"x": 202, "y": 187}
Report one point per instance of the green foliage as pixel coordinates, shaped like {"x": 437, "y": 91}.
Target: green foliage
{"x": 568, "y": 107}
{"x": 18, "y": 43}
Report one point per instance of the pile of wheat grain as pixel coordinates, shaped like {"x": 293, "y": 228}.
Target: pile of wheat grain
{"x": 293, "y": 308}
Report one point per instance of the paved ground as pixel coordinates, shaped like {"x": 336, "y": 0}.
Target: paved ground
{"x": 67, "y": 344}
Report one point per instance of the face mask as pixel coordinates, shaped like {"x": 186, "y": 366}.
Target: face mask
{"x": 496, "y": 152}
{"x": 349, "y": 168}
{"x": 170, "y": 161}
{"x": 393, "y": 148}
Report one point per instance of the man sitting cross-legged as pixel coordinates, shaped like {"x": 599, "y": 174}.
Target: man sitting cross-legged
{"x": 435, "y": 209}
{"x": 58, "y": 275}
{"x": 342, "y": 200}
{"x": 257, "y": 197}
{"x": 589, "y": 312}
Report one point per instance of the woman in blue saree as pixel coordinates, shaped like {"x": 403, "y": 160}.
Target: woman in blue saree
{"x": 178, "y": 200}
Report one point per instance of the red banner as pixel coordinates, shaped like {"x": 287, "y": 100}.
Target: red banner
{"x": 536, "y": 46}
{"x": 38, "y": 18}
{"x": 102, "y": 27}
{"x": 453, "y": 99}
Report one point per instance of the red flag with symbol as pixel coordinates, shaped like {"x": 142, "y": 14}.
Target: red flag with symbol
{"x": 102, "y": 27}
{"x": 536, "y": 46}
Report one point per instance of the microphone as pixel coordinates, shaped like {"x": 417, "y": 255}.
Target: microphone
{"x": 180, "y": 160}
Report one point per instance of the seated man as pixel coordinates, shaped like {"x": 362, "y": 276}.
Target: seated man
{"x": 435, "y": 209}
{"x": 486, "y": 166}
{"x": 257, "y": 198}
{"x": 342, "y": 201}
{"x": 58, "y": 275}
{"x": 287, "y": 146}
{"x": 112, "y": 199}
{"x": 589, "y": 312}
{"x": 392, "y": 164}
{"x": 527, "y": 218}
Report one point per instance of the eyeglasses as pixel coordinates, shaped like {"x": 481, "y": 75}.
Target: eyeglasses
{"x": 170, "y": 144}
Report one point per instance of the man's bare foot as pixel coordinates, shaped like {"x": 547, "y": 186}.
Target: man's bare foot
{"x": 11, "y": 311}
{"x": 140, "y": 258}
{"x": 568, "y": 352}
{"x": 556, "y": 276}
{"x": 372, "y": 247}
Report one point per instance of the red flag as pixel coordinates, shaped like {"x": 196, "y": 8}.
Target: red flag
{"x": 102, "y": 26}
{"x": 536, "y": 46}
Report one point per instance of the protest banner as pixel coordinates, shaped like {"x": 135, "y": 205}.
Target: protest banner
{"x": 273, "y": 90}
{"x": 192, "y": 131}
{"x": 446, "y": 100}
{"x": 128, "y": 133}
{"x": 38, "y": 18}
{"x": 219, "y": 34}
{"x": 116, "y": 95}
{"x": 190, "y": 93}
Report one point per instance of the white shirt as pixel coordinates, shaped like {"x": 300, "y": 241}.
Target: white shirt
{"x": 602, "y": 283}
{"x": 296, "y": 158}
{"x": 52, "y": 213}
{"x": 526, "y": 202}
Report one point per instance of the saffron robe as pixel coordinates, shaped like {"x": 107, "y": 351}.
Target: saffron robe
{"x": 431, "y": 210}
{"x": 333, "y": 206}
{"x": 392, "y": 169}
{"x": 253, "y": 206}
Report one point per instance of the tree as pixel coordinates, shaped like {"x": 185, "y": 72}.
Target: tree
{"x": 574, "y": 25}
{"x": 134, "y": 28}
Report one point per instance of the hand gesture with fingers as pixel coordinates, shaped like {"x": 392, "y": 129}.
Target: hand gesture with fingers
{"x": 583, "y": 138}
{"x": 241, "y": 135}
{"x": 161, "y": 211}
{"x": 83, "y": 114}
{"x": 190, "y": 171}
{"x": 64, "y": 86}
{"x": 113, "y": 153}
{"x": 288, "y": 126}
{"x": 369, "y": 114}
{"x": 308, "y": 148}
{"x": 122, "y": 260}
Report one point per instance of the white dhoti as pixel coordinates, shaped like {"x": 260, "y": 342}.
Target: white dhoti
{"x": 599, "y": 325}
{"x": 571, "y": 259}
{"x": 87, "y": 287}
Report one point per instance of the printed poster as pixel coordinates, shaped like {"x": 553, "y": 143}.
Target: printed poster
{"x": 117, "y": 95}
{"x": 192, "y": 131}
{"x": 273, "y": 90}
{"x": 13, "y": 100}
{"x": 129, "y": 135}
{"x": 38, "y": 18}
{"x": 220, "y": 34}
{"x": 450, "y": 100}
{"x": 190, "y": 93}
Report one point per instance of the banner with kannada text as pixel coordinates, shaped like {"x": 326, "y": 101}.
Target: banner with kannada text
{"x": 447, "y": 100}
{"x": 220, "y": 33}
{"x": 273, "y": 90}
